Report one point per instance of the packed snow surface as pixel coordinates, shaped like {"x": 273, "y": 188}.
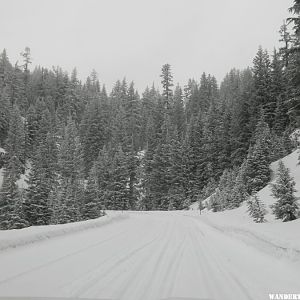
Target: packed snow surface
{"x": 141, "y": 256}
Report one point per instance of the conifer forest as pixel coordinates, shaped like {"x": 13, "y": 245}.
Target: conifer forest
{"x": 85, "y": 149}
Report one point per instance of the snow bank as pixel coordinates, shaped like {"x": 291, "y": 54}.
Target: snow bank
{"x": 20, "y": 237}
{"x": 274, "y": 236}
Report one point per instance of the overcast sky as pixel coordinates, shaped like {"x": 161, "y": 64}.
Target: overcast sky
{"x": 134, "y": 38}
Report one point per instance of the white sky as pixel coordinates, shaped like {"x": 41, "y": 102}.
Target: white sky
{"x": 134, "y": 38}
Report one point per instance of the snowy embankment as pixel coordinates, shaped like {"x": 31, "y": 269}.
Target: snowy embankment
{"x": 273, "y": 236}
{"x": 20, "y": 237}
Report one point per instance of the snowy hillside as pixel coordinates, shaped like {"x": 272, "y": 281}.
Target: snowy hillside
{"x": 274, "y": 235}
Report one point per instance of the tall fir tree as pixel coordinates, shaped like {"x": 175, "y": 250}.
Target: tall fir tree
{"x": 286, "y": 207}
{"x": 256, "y": 209}
{"x": 167, "y": 83}
{"x": 41, "y": 182}
{"x": 11, "y": 205}
{"x": 15, "y": 142}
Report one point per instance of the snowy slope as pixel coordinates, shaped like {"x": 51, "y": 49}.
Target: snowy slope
{"x": 274, "y": 236}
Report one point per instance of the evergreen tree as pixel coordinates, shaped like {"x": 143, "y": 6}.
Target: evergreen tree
{"x": 178, "y": 115}
{"x": 283, "y": 190}
{"x": 281, "y": 117}
{"x": 293, "y": 68}
{"x": 256, "y": 209}
{"x": 239, "y": 191}
{"x": 71, "y": 168}
{"x": 92, "y": 132}
{"x": 240, "y": 111}
{"x": 5, "y": 109}
{"x": 6, "y": 71}
{"x": 216, "y": 202}
{"x": 11, "y": 206}
{"x": 118, "y": 186}
{"x": 257, "y": 171}
{"x": 277, "y": 89}
{"x": 92, "y": 207}
{"x": 285, "y": 38}
{"x": 41, "y": 182}
{"x": 15, "y": 142}
{"x": 262, "y": 85}
{"x": 167, "y": 83}
{"x": 161, "y": 176}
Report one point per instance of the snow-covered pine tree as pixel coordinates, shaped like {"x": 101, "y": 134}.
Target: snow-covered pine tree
{"x": 257, "y": 171}
{"x": 41, "y": 182}
{"x": 239, "y": 192}
{"x": 256, "y": 209}
{"x": 225, "y": 189}
{"x": 11, "y": 205}
{"x": 160, "y": 176}
{"x": 209, "y": 189}
{"x": 262, "y": 84}
{"x": 283, "y": 190}
{"x": 167, "y": 83}
{"x": 216, "y": 202}
{"x": 118, "y": 186}
{"x": 178, "y": 185}
{"x": 91, "y": 208}
{"x": 4, "y": 115}
{"x": 15, "y": 142}
{"x": 31, "y": 128}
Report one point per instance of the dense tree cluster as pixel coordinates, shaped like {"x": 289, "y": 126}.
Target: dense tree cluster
{"x": 88, "y": 150}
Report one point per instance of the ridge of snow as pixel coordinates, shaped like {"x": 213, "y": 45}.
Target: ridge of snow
{"x": 21, "y": 237}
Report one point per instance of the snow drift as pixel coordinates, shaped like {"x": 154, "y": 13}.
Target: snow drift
{"x": 20, "y": 237}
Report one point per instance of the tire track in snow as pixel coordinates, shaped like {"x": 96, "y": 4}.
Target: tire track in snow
{"x": 170, "y": 277}
{"x": 161, "y": 256}
{"x": 85, "y": 288}
{"x": 215, "y": 267}
{"x": 131, "y": 281}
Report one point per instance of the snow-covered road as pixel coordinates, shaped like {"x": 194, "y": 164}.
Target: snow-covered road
{"x": 149, "y": 255}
